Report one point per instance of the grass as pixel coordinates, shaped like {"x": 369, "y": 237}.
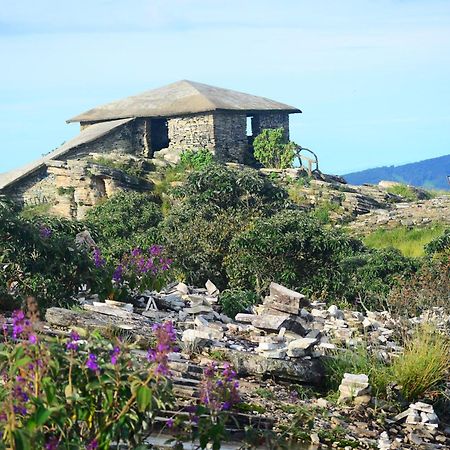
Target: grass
{"x": 424, "y": 365}
{"x": 357, "y": 360}
{"x": 410, "y": 241}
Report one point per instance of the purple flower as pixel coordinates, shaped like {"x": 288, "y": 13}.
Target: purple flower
{"x": 117, "y": 275}
{"x": 97, "y": 257}
{"x": 52, "y": 443}
{"x": 91, "y": 362}
{"x": 92, "y": 445}
{"x": 45, "y": 232}
{"x": 170, "y": 423}
{"x": 165, "y": 338}
{"x": 115, "y": 355}
{"x": 20, "y": 410}
{"x": 72, "y": 343}
{"x": 155, "y": 250}
{"x": 32, "y": 339}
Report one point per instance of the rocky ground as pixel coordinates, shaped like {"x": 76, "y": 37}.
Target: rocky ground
{"x": 279, "y": 351}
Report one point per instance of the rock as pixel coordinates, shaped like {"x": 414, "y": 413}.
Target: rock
{"x": 353, "y": 385}
{"x": 270, "y": 322}
{"x": 205, "y": 337}
{"x": 211, "y": 288}
{"x": 300, "y": 347}
{"x": 284, "y": 299}
{"x": 247, "y": 318}
{"x": 305, "y": 371}
{"x": 199, "y": 309}
{"x": 383, "y": 442}
{"x": 315, "y": 440}
{"x": 335, "y": 312}
{"x": 421, "y": 406}
{"x": 182, "y": 288}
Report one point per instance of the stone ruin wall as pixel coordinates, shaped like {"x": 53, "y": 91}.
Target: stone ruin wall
{"x": 191, "y": 132}
{"x": 271, "y": 119}
{"x": 230, "y": 130}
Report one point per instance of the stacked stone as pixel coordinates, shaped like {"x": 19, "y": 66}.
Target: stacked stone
{"x": 419, "y": 413}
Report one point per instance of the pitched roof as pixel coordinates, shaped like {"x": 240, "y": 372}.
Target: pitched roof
{"x": 89, "y": 134}
{"x": 179, "y": 98}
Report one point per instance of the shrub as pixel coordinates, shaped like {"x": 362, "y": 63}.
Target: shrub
{"x": 79, "y": 393}
{"x": 272, "y": 149}
{"x": 440, "y": 246}
{"x": 424, "y": 364}
{"x": 125, "y": 221}
{"x": 39, "y": 258}
{"x": 234, "y": 301}
{"x": 289, "y": 248}
{"x": 428, "y": 288}
{"x": 196, "y": 159}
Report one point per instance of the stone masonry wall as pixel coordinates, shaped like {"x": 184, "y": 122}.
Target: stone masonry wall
{"x": 271, "y": 119}
{"x": 191, "y": 132}
{"x": 230, "y": 130}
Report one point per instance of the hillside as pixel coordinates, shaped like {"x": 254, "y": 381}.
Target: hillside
{"x": 430, "y": 173}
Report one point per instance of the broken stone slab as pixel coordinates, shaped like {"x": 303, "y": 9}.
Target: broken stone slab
{"x": 247, "y": 318}
{"x": 274, "y": 322}
{"x": 282, "y": 294}
{"x": 198, "y": 309}
{"x": 207, "y": 334}
{"x": 136, "y": 325}
{"x": 421, "y": 406}
{"x": 301, "y": 347}
{"x": 212, "y": 289}
{"x": 103, "y": 308}
{"x": 307, "y": 371}
{"x": 353, "y": 385}
{"x": 182, "y": 288}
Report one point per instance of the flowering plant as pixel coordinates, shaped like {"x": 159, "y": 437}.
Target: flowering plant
{"x": 78, "y": 393}
{"x": 137, "y": 271}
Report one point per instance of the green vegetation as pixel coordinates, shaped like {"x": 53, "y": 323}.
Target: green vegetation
{"x": 131, "y": 167}
{"x": 65, "y": 190}
{"x": 272, "y": 149}
{"x": 125, "y": 221}
{"x": 424, "y": 364}
{"x": 234, "y": 301}
{"x": 405, "y": 191}
{"x": 410, "y": 241}
{"x": 196, "y": 159}
{"x": 38, "y": 210}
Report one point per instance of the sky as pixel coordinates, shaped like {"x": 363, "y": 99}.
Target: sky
{"x": 372, "y": 77}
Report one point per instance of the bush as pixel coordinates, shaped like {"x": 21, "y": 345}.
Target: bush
{"x": 273, "y": 150}
{"x": 211, "y": 207}
{"x": 428, "y": 288}
{"x": 289, "y": 248}
{"x": 90, "y": 394}
{"x": 196, "y": 159}
{"x": 125, "y": 221}
{"x": 439, "y": 247}
{"x": 39, "y": 258}
{"x": 424, "y": 364}
{"x": 234, "y": 301}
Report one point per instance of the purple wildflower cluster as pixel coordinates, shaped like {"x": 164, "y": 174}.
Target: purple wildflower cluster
{"x": 99, "y": 261}
{"x": 219, "y": 389}
{"x": 72, "y": 343}
{"x": 165, "y": 339}
{"x": 92, "y": 363}
{"x": 139, "y": 262}
{"x": 45, "y": 232}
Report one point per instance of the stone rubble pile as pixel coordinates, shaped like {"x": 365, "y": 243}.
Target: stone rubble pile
{"x": 355, "y": 387}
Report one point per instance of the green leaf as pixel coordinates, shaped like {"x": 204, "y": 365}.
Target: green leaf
{"x": 144, "y": 397}
{"x": 42, "y": 415}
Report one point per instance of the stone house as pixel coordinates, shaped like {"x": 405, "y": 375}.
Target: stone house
{"x": 153, "y": 127}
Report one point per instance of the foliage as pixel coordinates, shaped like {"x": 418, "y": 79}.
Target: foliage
{"x": 428, "y": 288}
{"x": 272, "y": 149}
{"x": 137, "y": 271}
{"x": 424, "y": 364}
{"x": 125, "y": 221}
{"x": 410, "y": 241}
{"x": 38, "y": 210}
{"x": 440, "y": 246}
{"x": 290, "y": 248}
{"x": 78, "y": 393}
{"x": 234, "y": 301}
{"x": 39, "y": 258}
{"x": 210, "y": 208}
{"x": 196, "y": 159}
{"x": 322, "y": 211}
{"x": 356, "y": 360}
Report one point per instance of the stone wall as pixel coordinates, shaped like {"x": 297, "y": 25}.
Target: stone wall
{"x": 230, "y": 130}
{"x": 191, "y": 132}
{"x": 270, "y": 119}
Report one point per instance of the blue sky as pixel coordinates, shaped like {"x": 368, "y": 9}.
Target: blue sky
{"x": 371, "y": 77}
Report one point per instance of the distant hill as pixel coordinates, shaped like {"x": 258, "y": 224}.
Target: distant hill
{"x": 430, "y": 173}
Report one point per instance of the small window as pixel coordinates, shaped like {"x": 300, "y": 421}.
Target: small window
{"x": 249, "y": 126}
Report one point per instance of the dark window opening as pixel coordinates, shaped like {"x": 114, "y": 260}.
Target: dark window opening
{"x": 159, "y": 134}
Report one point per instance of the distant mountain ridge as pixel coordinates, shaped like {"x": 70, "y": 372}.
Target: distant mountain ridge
{"x": 429, "y": 173}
